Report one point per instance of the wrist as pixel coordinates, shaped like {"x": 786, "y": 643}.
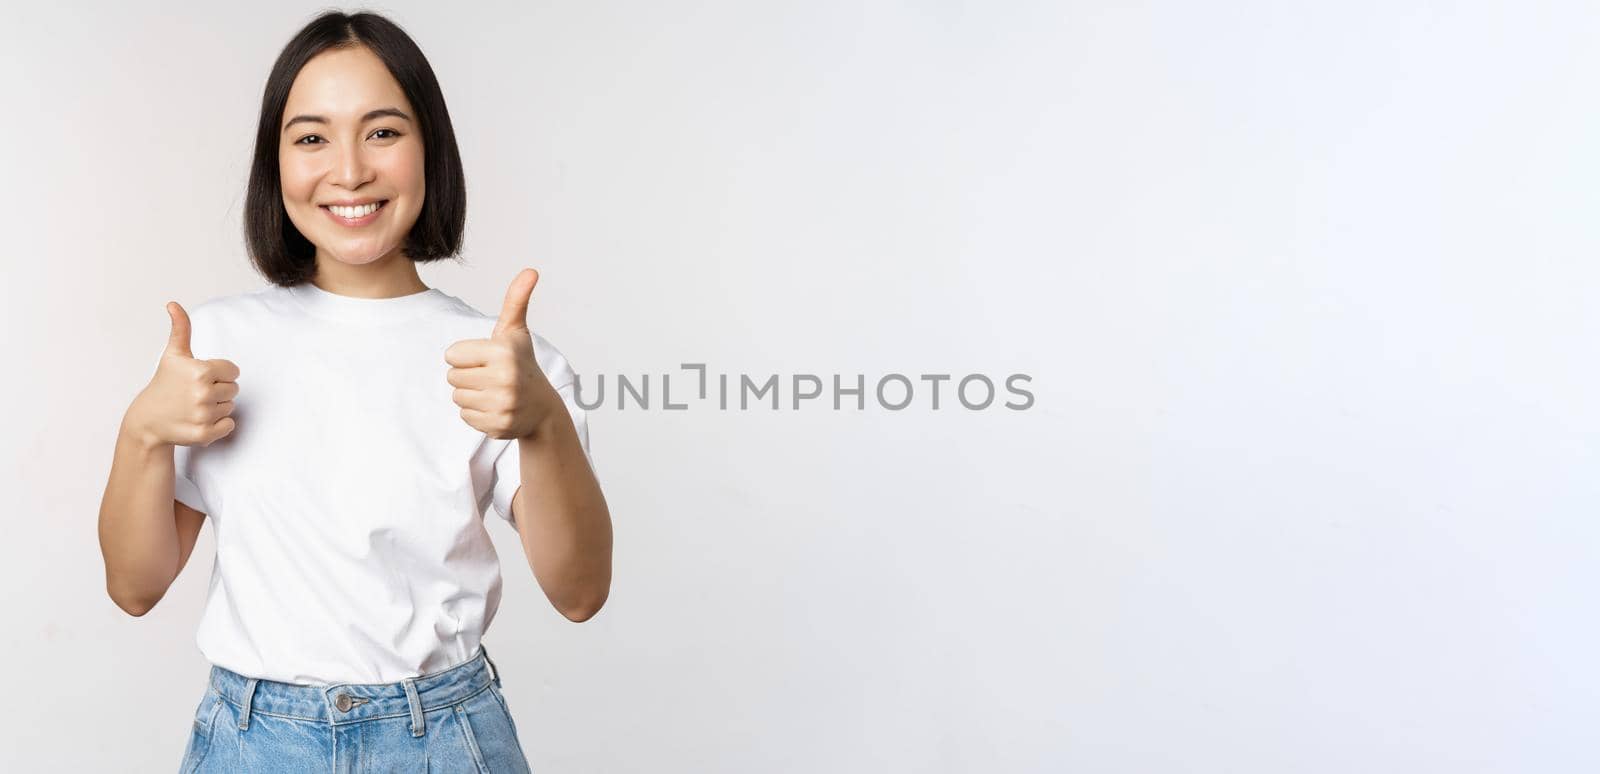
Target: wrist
{"x": 138, "y": 436}
{"x": 546, "y": 428}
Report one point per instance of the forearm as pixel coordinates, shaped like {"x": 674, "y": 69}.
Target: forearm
{"x": 138, "y": 533}
{"x": 563, "y": 519}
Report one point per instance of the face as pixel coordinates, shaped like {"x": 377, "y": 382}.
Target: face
{"x": 350, "y": 141}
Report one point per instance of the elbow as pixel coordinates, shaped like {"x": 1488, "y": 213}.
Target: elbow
{"x": 132, "y": 603}
{"x": 134, "y": 607}
{"x": 580, "y": 617}
{"x": 583, "y": 612}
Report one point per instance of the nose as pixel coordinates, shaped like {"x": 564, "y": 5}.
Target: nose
{"x": 350, "y": 167}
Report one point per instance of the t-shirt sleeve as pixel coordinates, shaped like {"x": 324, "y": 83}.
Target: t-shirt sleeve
{"x": 508, "y": 466}
{"x": 184, "y": 489}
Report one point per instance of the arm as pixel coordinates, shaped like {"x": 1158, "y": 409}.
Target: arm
{"x": 503, "y": 391}
{"x": 145, "y": 535}
{"x": 563, "y": 520}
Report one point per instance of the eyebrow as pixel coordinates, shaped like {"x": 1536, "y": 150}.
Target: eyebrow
{"x": 379, "y": 113}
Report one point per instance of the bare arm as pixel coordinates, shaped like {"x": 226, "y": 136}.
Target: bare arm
{"x": 558, "y": 507}
{"x": 145, "y": 535}
{"x": 563, "y": 520}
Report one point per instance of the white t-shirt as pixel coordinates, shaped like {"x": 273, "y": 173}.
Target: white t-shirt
{"x": 348, "y": 501}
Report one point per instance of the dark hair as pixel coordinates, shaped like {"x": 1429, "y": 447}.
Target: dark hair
{"x": 279, "y": 251}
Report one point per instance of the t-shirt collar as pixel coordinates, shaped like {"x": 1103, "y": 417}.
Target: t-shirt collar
{"x": 327, "y": 304}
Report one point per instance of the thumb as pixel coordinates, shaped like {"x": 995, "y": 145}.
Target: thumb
{"x": 514, "y": 312}
{"x": 178, "y": 340}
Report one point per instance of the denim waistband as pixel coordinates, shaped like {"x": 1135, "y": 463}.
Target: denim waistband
{"x": 339, "y": 703}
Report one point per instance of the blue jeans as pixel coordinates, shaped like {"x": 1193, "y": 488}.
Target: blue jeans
{"x": 450, "y": 721}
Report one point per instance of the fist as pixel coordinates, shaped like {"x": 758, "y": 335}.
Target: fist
{"x": 188, "y": 402}
{"x": 498, "y": 383}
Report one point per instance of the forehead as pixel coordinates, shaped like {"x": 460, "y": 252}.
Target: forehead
{"x": 343, "y": 84}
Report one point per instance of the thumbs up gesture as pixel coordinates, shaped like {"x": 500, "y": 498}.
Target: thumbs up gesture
{"x": 188, "y": 402}
{"x": 499, "y": 386}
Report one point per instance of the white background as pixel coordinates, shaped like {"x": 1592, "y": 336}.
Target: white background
{"x": 1306, "y": 292}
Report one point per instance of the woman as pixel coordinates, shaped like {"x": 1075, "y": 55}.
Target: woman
{"x": 345, "y": 428}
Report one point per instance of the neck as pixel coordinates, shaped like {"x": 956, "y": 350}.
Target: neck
{"x": 391, "y": 276}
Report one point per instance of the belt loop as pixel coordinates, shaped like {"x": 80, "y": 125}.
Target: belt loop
{"x": 494, "y": 674}
{"x": 417, "y": 726}
{"x": 249, "y": 693}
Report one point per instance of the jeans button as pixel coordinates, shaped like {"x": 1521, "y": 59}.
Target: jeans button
{"x": 342, "y": 702}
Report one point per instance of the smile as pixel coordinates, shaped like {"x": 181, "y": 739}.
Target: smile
{"x": 354, "y": 216}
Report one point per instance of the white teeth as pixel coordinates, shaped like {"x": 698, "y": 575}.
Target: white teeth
{"x": 354, "y": 212}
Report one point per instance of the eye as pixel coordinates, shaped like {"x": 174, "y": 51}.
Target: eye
{"x": 392, "y": 132}
{"x": 302, "y": 140}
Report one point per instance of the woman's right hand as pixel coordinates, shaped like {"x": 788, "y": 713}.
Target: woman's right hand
{"x": 188, "y": 402}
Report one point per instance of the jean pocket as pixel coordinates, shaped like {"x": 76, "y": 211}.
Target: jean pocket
{"x": 200, "y": 731}
{"x": 500, "y": 697}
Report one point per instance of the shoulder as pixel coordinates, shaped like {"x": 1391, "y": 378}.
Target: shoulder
{"x": 221, "y": 320}
{"x": 478, "y": 324}
{"x": 261, "y": 300}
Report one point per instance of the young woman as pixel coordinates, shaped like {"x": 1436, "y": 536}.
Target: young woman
{"x": 345, "y": 428}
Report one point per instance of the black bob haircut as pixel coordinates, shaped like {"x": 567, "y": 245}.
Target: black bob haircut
{"x": 279, "y": 251}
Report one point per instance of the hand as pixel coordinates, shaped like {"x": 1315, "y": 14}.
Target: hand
{"x": 188, "y": 402}
{"x": 499, "y": 386}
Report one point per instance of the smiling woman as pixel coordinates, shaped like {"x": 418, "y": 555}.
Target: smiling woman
{"x": 348, "y": 480}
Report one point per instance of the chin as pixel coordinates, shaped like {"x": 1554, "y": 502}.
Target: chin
{"x": 357, "y": 257}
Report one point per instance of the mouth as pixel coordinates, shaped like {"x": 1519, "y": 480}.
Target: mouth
{"x": 354, "y": 216}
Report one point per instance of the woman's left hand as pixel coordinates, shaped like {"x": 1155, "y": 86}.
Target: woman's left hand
{"x": 499, "y": 386}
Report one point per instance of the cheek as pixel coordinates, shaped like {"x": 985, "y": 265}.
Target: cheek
{"x": 406, "y": 172}
{"x": 297, "y": 181}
